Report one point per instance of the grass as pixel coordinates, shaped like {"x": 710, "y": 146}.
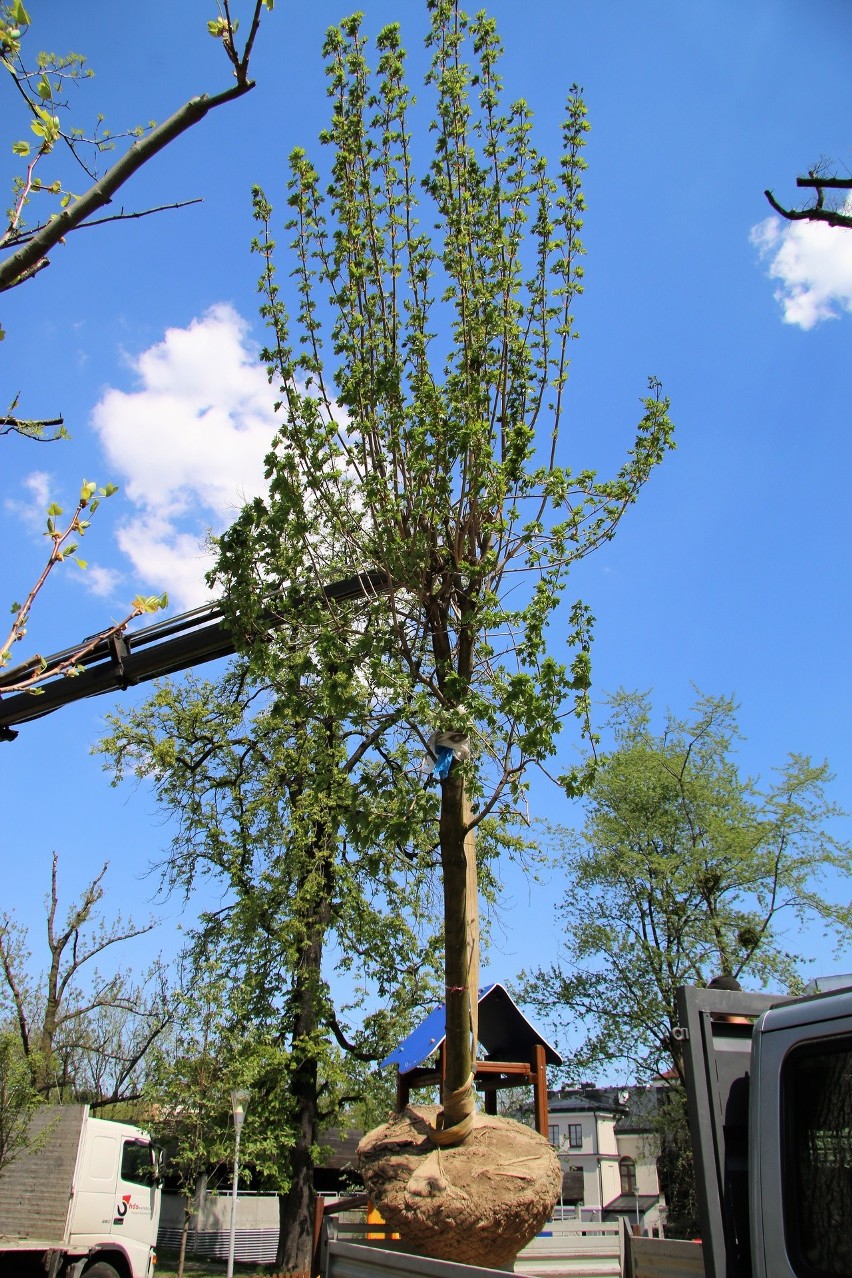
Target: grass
{"x": 167, "y": 1268}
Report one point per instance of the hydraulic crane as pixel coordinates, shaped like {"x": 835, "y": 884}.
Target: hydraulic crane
{"x": 164, "y": 648}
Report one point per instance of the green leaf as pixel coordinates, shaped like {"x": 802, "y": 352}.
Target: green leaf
{"x": 150, "y": 603}
{"x": 21, "y": 148}
{"x": 43, "y": 88}
{"x": 81, "y": 563}
{"x": 54, "y": 509}
{"x": 19, "y": 14}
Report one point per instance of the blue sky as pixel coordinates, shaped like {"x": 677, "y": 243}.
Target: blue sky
{"x": 732, "y": 571}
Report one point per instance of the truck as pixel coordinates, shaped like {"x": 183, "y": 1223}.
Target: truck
{"x": 82, "y": 1197}
{"x": 769, "y": 1087}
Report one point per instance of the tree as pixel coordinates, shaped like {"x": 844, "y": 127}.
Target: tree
{"x": 18, "y": 1099}
{"x": 83, "y": 1035}
{"x": 422, "y": 390}
{"x": 684, "y": 870}
{"x": 279, "y": 792}
{"x": 34, "y": 672}
{"x": 42, "y": 87}
{"x": 819, "y": 182}
{"x": 188, "y": 1080}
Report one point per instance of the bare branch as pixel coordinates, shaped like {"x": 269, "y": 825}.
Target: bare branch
{"x": 816, "y": 212}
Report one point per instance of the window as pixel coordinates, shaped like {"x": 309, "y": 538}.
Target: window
{"x": 553, "y": 1134}
{"x": 816, "y": 1097}
{"x": 627, "y": 1171}
{"x": 575, "y": 1135}
{"x": 137, "y": 1163}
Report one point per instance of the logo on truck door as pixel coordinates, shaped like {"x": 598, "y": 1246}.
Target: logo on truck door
{"x": 121, "y": 1209}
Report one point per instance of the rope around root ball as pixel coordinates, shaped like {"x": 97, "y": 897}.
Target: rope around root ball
{"x": 455, "y": 1121}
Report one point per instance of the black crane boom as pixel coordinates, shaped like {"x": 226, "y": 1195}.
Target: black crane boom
{"x": 164, "y": 648}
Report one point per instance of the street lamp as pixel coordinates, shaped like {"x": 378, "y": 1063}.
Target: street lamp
{"x": 239, "y": 1104}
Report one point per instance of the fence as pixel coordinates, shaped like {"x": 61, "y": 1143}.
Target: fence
{"x": 256, "y": 1238}
{"x": 571, "y": 1248}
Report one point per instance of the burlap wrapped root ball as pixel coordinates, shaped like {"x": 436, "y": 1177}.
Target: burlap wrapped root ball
{"x": 479, "y": 1202}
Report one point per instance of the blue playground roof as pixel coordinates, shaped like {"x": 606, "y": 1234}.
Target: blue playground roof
{"x": 504, "y": 1032}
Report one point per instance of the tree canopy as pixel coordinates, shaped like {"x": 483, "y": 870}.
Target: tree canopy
{"x": 685, "y": 869}
{"x": 290, "y": 797}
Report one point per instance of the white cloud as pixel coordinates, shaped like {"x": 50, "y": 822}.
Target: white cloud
{"x": 813, "y": 263}
{"x": 188, "y": 447}
{"x": 101, "y": 582}
{"x": 32, "y": 512}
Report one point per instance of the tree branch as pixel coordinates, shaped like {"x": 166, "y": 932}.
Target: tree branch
{"x": 817, "y": 212}
{"x": 31, "y": 256}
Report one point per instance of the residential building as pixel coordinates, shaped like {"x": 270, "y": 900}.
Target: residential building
{"x": 605, "y": 1141}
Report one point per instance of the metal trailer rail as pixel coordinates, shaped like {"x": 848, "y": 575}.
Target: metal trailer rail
{"x": 590, "y": 1250}
{"x": 355, "y": 1260}
{"x": 716, "y": 1031}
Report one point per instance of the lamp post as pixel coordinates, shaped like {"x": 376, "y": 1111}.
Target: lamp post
{"x": 239, "y": 1105}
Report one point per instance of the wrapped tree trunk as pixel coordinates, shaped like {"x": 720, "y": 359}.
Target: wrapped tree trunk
{"x": 461, "y": 961}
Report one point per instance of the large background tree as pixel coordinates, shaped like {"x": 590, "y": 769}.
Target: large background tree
{"x": 422, "y": 391}
{"x": 292, "y": 798}
{"x": 685, "y": 869}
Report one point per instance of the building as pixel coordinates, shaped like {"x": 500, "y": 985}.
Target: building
{"x": 606, "y": 1144}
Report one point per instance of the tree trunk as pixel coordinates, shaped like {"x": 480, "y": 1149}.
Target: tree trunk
{"x": 184, "y": 1233}
{"x": 296, "y": 1207}
{"x": 461, "y": 933}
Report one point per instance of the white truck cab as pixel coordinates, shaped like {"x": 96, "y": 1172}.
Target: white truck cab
{"x": 83, "y": 1197}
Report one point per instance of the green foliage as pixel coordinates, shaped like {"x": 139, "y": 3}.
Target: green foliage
{"x": 18, "y": 1098}
{"x": 37, "y": 670}
{"x": 279, "y": 794}
{"x": 189, "y": 1077}
{"x": 685, "y": 869}
{"x": 422, "y": 382}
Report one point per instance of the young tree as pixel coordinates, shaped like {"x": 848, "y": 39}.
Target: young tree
{"x": 684, "y": 870}
{"x": 422, "y": 390}
{"x": 279, "y": 793}
{"x": 82, "y": 1034}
